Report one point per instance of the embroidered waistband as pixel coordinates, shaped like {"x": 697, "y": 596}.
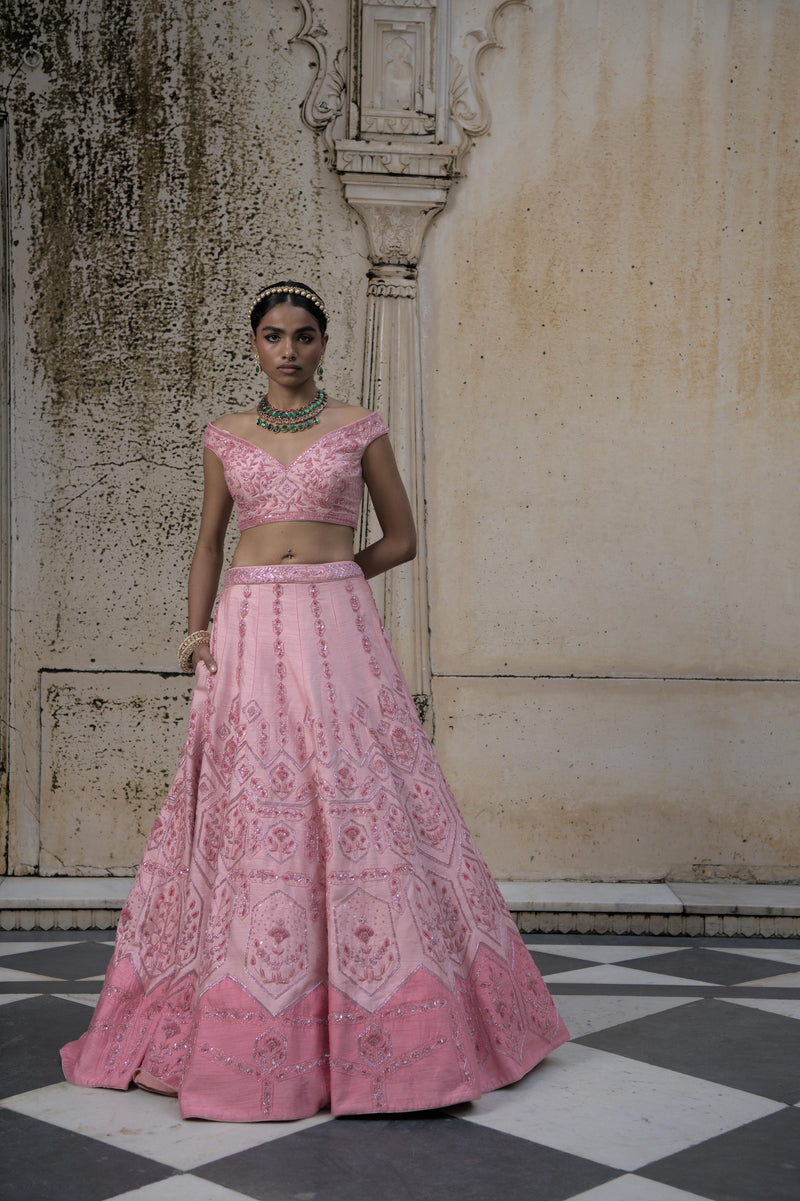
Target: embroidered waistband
{"x": 291, "y": 573}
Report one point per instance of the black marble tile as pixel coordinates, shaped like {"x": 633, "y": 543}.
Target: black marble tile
{"x": 733, "y": 1045}
{"x": 426, "y": 1157}
{"x": 41, "y": 1162}
{"x": 715, "y": 967}
{"x": 548, "y": 964}
{"x": 45, "y": 936}
{"x": 70, "y": 962}
{"x": 665, "y": 941}
{"x": 31, "y": 1034}
{"x": 756, "y": 1162}
{"x": 48, "y": 987}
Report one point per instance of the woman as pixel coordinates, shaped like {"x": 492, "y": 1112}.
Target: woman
{"x": 311, "y": 923}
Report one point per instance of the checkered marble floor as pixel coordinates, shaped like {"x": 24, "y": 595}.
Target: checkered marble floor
{"x": 681, "y": 1083}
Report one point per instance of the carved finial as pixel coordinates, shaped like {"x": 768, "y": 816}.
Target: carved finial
{"x": 324, "y": 99}
{"x": 469, "y": 108}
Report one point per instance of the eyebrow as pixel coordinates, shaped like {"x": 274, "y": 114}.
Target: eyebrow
{"x": 278, "y": 329}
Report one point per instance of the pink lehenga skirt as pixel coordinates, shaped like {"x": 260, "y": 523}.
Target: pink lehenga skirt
{"x": 311, "y": 924}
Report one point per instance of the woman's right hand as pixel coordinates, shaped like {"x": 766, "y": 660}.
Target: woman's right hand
{"x": 202, "y": 654}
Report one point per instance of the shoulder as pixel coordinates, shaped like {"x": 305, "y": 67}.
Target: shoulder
{"x": 367, "y": 421}
{"x": 234, "y": 423}
{"x": 343, "y": 413}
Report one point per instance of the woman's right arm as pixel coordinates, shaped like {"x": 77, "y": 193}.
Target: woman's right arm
{"x": 207, "y": 561}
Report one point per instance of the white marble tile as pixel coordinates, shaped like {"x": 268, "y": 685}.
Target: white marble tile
{"x": 784, "y": 1007}
{"x": 148, "y": 1124}
{"x": 20, "y": 948}
{"x": 587, "y": 1015}
{"x": 82, "y": 998}
{"x": 601, "y": 954}
{"x": 11, "y": 975}
{"x": 776, "y": 953}
{"x": 7, "y": 997}
{"x": 792, "y": 980}
{"x": 614, "y": 1110}
{"x": 609, "y": 973}
{"x": 182, "y": 1188}
{"x": 631, "y": 1188}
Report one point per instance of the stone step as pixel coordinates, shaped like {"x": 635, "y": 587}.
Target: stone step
{"x": 545, "y": 906}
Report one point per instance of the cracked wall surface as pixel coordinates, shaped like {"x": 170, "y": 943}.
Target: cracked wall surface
{"x": 609, "y": 306}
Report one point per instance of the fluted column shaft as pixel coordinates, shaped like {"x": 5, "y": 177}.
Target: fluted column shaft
{"x": 393, "y": 384}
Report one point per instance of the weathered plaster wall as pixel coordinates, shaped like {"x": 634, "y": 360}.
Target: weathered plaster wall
{"x": 610, "y": 307}
{"x": 611, "y": 413}
{"x": 159, "y": 173}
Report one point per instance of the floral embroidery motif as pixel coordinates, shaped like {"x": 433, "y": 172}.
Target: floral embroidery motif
{"x": 354, "y": 840}
{"x": 160, "y": 928}
{"x": 366, "y": 943}
{"x": 498, "y": 1004}
{"x": 482, "y": 899}
{"x": 429, "y": 922}
{"x": 375, "y": 1046}
{"x": 282, "y": 780}
{"x": 277, "y": 949}
{"x": 270, "y": 1049}
{"x": 540, "y": 1009}
{"x": 191, "y": 920}
{"x": 210, "y": 833}
{"x": 233, "y": 833}
{"x": 479, "y": 1044}
{"x": 401, "y": 836}
{"x": 280, "y": 842}
{"x": 168, "y": 1049}
{"x": 223, "y": 904}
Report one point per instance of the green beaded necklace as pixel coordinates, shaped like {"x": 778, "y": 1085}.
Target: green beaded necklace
{"x": 289, "y": 421}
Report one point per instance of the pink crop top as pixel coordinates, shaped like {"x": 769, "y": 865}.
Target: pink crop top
{"x": 324, "y": 482}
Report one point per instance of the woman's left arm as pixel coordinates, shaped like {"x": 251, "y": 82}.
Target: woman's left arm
{"x": 392, "y": 508}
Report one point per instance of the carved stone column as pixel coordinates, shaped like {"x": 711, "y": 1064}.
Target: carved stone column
{"x": 396, "y": 217}
{"x": 397, "y": 126}
{"x": 396, "y": 175}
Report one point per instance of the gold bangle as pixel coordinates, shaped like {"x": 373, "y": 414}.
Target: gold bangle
{"x": 187, "y": 647}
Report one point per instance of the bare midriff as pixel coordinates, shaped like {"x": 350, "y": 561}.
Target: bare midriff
{"x": 294, "y": 542}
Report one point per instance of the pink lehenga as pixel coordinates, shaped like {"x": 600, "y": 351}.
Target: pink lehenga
{"x": 311, "y": 924}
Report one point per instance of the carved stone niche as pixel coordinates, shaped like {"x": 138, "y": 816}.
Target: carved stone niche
{"x": 398, "y": 89}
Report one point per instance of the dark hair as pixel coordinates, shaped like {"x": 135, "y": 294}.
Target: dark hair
{"x": 294, "y": 293}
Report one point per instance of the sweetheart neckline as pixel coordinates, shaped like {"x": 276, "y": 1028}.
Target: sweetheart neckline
{"x": 289, "y": 465}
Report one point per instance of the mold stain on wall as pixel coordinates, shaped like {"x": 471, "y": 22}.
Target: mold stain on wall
{"x": 160, "y": 171}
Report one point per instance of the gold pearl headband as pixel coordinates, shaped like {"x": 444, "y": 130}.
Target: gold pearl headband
{"x": 279, "y": 289}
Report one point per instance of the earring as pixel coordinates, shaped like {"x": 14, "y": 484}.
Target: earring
{"x": 319, "y": 371}
{"x": 258, "y": 364}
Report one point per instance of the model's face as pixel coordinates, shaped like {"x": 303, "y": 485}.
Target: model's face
{"x": 288, "y": 344}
